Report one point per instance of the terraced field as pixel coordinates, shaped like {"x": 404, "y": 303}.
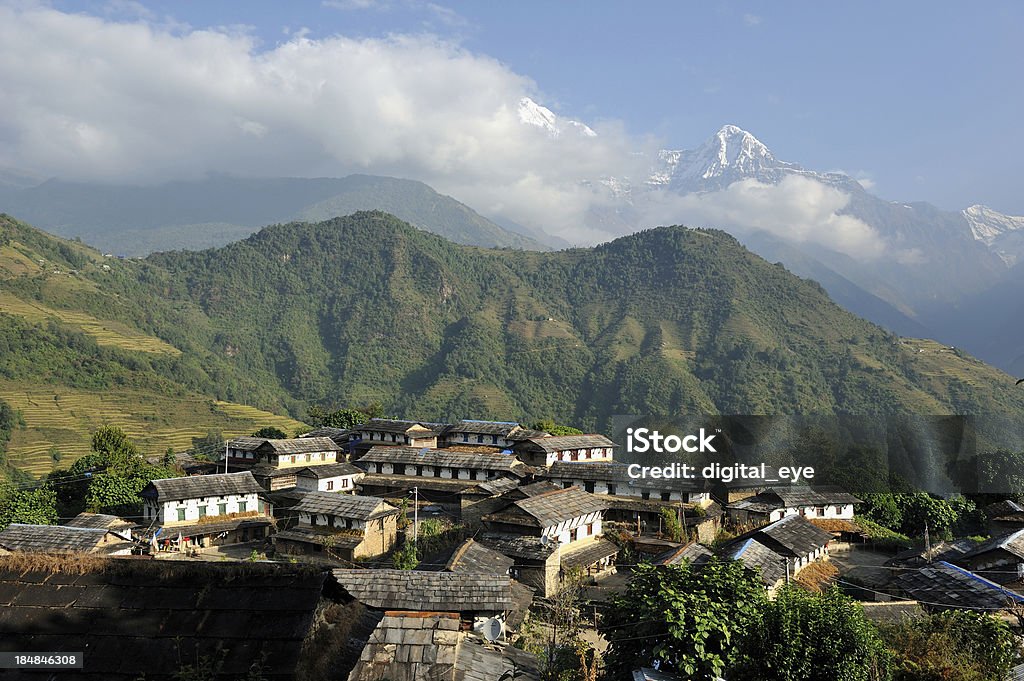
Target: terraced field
{"x": 63, "y": 419}
{"x": 105, "y": 332}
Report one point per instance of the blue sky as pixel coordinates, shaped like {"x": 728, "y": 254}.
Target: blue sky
{"x": 922, "y": 99}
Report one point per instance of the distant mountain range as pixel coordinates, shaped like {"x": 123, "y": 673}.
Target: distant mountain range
{"x": 367, "y": 308}
{"x": 137, "y": 220}
{"x": 937, "y": 271}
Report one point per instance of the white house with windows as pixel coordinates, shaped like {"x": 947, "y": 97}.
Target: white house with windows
{"x": 779, "y": 502}
{"x": 544, "y": 451}
{"x": 223, "y": 506}
{"x": 398, "y": 433}
{"x": 337, "y": 477}
{"x": 441, "y": 463}
{"x": 612, "y": 478}
{"x": 502, "y": 434}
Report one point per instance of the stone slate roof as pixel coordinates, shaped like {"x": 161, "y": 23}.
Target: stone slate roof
{"x": 535, "y": 488}
{"x": 558, "y": 443}
{"x": 553, "y": 507}
{"x": 99, "y": 521}
{"x": 53, "y": 538}
{"x": 407, "y": 482}
{"x": 947, "y": 551}
{"x": 138, "y": 616}
{"x": 492, "y": 487}
{"x": 445, "y": 458}
{"x": 944, "y": 585}
{"x": 648, "y": 674}
{"x": 518, "y": 546}
{"x": 428, "y": 646}
{"x": 501, "y": 428}
{"x": 424, "y": 590}
{"x": 482, "y": 661}
{"x": 589, "y": 554}
{"x": 402, "y": 427}
{"x": 805, "y": 495}
{"x": 470, "y": 556}
{"x": 330, "y": 470}
{"x": 769, "y": 565}
{"x": 410, "y": 647}
{"x": 999, "y": 509}
{"x": 326, "y": 431}
{"x": 300, "y": 445}
{"x": 247, "y": 444}
{"x": 694, "y": 554}
{"x": 793, "y": 535}
{"x": 202, "y": 486}
{"x": 1012, "y": 543}
{"x": 344, "y": 505}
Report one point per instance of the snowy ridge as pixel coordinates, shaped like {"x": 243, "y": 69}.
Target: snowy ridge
{"x": 532, "y": 113}
{"x": 987, "y": 225}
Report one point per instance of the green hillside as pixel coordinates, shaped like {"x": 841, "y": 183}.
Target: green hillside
{"x": 366, "y": 308}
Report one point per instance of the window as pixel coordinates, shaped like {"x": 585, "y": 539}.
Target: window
{"x": 330, "y": 485}
{"x": 345, "y": 482}
{"x": 588, "y": 486}
{"x": 494, "y": 439}
{"x": 645, "y": 495}
{"x": 308, "y": 457}
{"x": 566, "y": 484}
{"x": 181, "y": 514}
{"x": 243, "y": 506}
{"x": 611, "y": 489}
{"x": 222, "y": 509}
{"x": 472, "y": 474}
{"x": 666, "y": 496}
{"x": 202, "y": 511}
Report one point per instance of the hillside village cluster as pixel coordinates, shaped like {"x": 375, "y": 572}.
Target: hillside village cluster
{"x": 530, "y": 510}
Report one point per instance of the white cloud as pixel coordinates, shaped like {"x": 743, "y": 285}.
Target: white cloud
{"x": 798, "y": 208}
{"x": 751, "y": 19}
{"x": 93, "y": 98}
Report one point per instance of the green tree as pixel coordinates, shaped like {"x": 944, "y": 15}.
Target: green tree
{"x": 33, "y": 506}
{"x": 405, "y": 557}
{"x": 340, "y": 418}
{"x": 883, "y": 509}
{"x": 922, "y": 508}
{"x": 804, "y": 636}
{"x": 549, "y": 426}
{"x": 670, "y": 524}
{"x": 689, "y": 621}
{"x": 271, "y": 433}
{"x": 954, "y": 645}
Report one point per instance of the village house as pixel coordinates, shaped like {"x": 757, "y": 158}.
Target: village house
{"x": 775, "y": 503}
{"x": 639, "y": 501}
{"x": 944, "y": 586}
{"x": 567, "y": 519}
{"x": 693, "y": 554}
{"x": 119, "y": 527}
{"x": 1004, "y": 517}
{"x": 779, "y": 551}
{"x": 544, "y": 451}
{"x": 397, "y": 433}
{"x": 334, "y": 477}
{"x": 482, "y": 498}
{"x": 202, "y": 510}
{"x": 56, "y": 539}
{"x": 1000, "y": 559}
{"x": 438, "y": 474}
{"x": 278, "y": 461}
{"x": 341, "y": 526}
{"x": 501, "y": 434}
{"x": 475, "y": 598}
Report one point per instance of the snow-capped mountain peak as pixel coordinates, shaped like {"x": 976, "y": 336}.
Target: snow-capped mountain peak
{"x": 987, "y": 225}
{"x": 532, "y": 113}
{"x": 730, "y": 154}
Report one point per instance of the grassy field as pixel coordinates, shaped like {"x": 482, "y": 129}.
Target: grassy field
{"x": 105, "y": 332}
{"x": 62, "y": 420}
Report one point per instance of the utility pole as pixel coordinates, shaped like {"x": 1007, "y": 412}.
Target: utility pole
{"x": 416, "y": 514}
{"x": 225, "y": 456}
